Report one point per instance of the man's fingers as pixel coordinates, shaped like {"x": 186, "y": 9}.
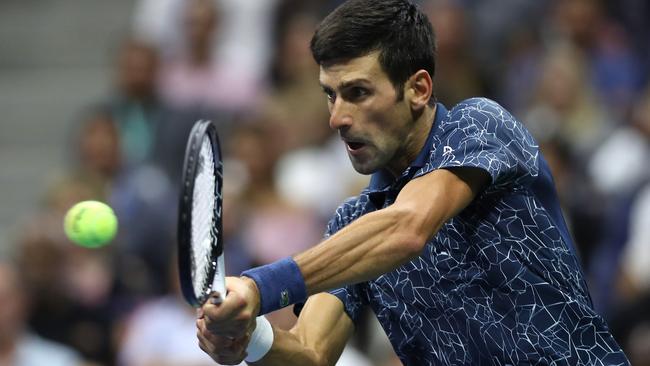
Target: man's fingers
{"x": 235, "y": 353}
{"x": 224, "y": 355}
{"x": 225, "y": 310}
{"x": 215, "y": 298}
{"x": 220, "y": 345}
{"x": 223, "y": 341}
{"x": 221, "y": 348}
{"x": 204, "y": 335}
{"x": 230, "y": 318}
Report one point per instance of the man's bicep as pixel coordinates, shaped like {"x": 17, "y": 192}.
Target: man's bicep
{"x": 438, "y": 196}
{"x": 324, "y": 326}
{"x": 474, "y": 178}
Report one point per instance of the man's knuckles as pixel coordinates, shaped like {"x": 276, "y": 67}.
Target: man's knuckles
{"x": 236, "y": 301}
{"x": 244, "y": 317}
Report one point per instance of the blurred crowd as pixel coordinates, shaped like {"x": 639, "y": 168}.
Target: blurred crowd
{"x": 575, "y": 72}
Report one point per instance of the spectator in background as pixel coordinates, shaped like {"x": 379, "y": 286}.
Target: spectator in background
{"x": 70, "y": 288}
{"x": 634, "y": 15}
{"x": 154, "y": 124}
{"x": 295, "y": 99}
{"x": 157, "y": 22}
{"x": 194, "y": 78}
{"x": 612, "y": 67}
{"x": 245, "y": 42}
{"x": 19, "y": 346}
{"x": 140, "y": 196}
{"x": 304, "y": 176}
{"x": 242, "y": 44}
{"x": 566, "y": 106}
{"x": 145, "y": 204}
{"x": 78, "y": 293}
{"x": 96, "y": 150}
{"x": 620, "y": 173}
{"x": 192, "y": 82}
{"x": 523, "y": 53}
{"x": 119, "y": 151}
{"x": 272, "y": 227}
{"x": 491, "y": 25}
{"x": 619, "y": 166}
{"x": 636, "y": 259}
{"x": 135, "y": 106}
{"x": 461, "y": 78}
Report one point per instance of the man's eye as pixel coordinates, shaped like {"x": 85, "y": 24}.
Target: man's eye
{"x": 357, "y": 93}
{"x": 331, "y": 96}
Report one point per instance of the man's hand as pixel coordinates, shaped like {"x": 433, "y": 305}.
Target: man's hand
{"x": 225, "y": 326}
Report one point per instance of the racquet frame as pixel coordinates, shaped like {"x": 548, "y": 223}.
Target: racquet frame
{"x": 216, "y": 264}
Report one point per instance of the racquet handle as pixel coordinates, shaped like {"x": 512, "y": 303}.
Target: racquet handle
{"x": 219, "y": 280}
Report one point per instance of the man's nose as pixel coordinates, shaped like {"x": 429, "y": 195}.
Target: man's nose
{"x": 340, "y": 116}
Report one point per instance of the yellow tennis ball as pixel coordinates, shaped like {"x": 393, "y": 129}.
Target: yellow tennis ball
{"x": 90, "y": 224}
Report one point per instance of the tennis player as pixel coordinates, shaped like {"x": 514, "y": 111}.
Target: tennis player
{"x": 458, "y": 244}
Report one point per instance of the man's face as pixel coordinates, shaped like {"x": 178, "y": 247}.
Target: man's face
{"x": 374, "y": 125}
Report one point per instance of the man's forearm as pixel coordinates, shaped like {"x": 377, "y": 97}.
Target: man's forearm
{"x": 288, "y": 350}
{"x": 381, "y": 241}
{"x": 318, "y": 338}
{"x": 373, "y": 245}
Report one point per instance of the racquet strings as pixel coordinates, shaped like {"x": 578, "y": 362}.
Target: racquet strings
{"x": 203, "y": 210}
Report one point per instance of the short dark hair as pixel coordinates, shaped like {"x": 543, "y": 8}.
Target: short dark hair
{"x": 398, "y": 29}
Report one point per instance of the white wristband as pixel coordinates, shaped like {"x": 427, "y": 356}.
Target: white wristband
{"x": 261, "y": 340}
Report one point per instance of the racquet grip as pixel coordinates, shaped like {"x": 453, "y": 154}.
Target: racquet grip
{"x": 219, "y": 280}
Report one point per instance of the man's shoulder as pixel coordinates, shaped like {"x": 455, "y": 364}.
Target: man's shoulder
{"x": 469, "y": 108}
{"x": 485, "y": 117}
{"x": 479, "y": 103}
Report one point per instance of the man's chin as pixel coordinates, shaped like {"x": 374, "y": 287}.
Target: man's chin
{"x": 364, "y": 168}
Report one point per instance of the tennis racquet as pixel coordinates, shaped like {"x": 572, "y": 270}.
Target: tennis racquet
{"x": 200, "y": 242}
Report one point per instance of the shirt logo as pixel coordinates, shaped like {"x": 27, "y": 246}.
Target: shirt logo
{"x": 447, "y": 150}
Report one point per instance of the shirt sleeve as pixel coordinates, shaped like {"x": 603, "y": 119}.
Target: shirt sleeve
{"x": 480, "y": 133}
{"x": 352, "y": 301}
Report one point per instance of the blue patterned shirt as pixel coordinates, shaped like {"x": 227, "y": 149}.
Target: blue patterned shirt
{"x": 500, "y": 283}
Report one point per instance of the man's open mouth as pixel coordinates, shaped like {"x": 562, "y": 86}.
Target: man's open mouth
{"x": 355, "y": 145}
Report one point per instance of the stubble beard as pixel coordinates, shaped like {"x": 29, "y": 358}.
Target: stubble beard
{"x": 371, "y": 164}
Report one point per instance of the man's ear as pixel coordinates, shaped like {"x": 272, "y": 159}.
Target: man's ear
{"x": 419, "y": 89}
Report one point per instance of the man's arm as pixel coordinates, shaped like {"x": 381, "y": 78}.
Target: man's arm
{"x": 318, "y": 338}
{"x": 383, "y": 240}
{"x": 374, "y": 244}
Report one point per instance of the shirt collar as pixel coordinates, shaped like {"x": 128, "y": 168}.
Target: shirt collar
{"x": 383, "y": 180}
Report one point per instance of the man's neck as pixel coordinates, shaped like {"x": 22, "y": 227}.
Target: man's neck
{"x": 416, "y": 140}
